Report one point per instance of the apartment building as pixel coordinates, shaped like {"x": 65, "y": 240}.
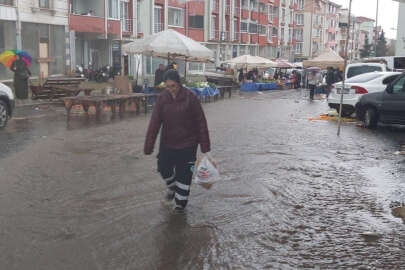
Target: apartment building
{"x": 97, "y": 30}
{"x": 39, "y": 27}
{"x": 228, "y": 27}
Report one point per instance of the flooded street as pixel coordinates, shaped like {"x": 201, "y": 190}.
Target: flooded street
{"x": 293, "y": 195}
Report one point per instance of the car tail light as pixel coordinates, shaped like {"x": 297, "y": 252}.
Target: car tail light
{"x": 359, "y": 90}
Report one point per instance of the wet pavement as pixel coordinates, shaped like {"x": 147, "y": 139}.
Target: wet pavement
{"x": 293, "y": 195}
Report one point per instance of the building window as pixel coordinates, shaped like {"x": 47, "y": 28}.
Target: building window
{"x": 271, "y": 12}
{"x": 6, "y": 2}
{"x": 262, "y": 30}
{"x": 252, "y": 28}
{"x": 158, "y": 27}
{"x": 126, "y": 24}
{"x": 113, "y": 9}
{"x": 298, "y": 48}
{"x": 283, "y": 15}
{"x": 300, "y": 4}
{"x": 275, "y": 32}
{"x": 243, "y": 27}
{"x": 298, "y": 34}
{"x": 300, "y": 19}
{"x": 263, "y": 8}
{"x": 282, "y": 34}
{"x": 245, "y": 4}
{"x": 176, "y": 17}
{"x": 269, "y": 34}
{"x": 196, "y": 21}
{"x": 43, "y": 3}
{"x": 235, "y": 30}
{"x": 213, "y": 30}
{"x": 253, "y": 5}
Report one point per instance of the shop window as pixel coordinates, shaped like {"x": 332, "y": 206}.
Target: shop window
{"x": 7, "y": 2}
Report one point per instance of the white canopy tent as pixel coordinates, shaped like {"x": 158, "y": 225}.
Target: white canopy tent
{"x": 328, "y": 58}
{"x": 170, "y": 44}
{"x": 249, "y": 61}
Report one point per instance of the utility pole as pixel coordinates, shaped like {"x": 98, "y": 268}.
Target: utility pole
{"x": 344, "y": 71}
{"x": 310, "y": 34}
{"x": 376, "y": 31}
{"x": 18, "y": 25}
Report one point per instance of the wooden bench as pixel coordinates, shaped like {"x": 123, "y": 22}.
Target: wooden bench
{"x": 59, "y": 87}
{"x": 113, "y": 101}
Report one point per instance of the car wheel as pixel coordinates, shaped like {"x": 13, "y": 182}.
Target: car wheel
{"x": 3, "y": 114}
{"x": 370, "y": 118}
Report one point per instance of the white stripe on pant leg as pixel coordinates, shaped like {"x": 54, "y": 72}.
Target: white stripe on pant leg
{"x": 181, "y": 198}
{"x": 172, "y": 184}
{"x": 169, "y": 179}
{"x": 183, "y": 186}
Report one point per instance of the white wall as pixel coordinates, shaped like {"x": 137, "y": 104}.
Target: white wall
{"x": 7, "y": 13}
{"x": 28, "y": 13}
{"x": 400, "y": 46}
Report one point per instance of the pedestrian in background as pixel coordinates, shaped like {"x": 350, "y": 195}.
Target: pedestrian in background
{"x": 330, "y": 79}
{"x": 159, "y": 75}
{"x": 180, "y": 115}
{"x": 314, "y": 78}
{"x": 241, "y": 76}
{"x": 337, "y": 75}
{"x": 21, "y": 76}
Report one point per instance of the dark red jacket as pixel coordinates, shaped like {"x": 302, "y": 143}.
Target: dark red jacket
{"x": 182, "y": 120}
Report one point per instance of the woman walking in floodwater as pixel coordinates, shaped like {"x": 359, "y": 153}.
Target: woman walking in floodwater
{"x": 178, "y": 111}
{"x": 21, "y": 75}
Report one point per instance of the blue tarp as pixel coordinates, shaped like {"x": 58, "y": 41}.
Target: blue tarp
{"x": 205, "y": 92}
{"x": 251, "y": 87}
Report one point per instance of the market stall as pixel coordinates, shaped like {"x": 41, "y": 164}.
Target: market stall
{"x": 328, "y": 58}
{"x": 171, "y": 45}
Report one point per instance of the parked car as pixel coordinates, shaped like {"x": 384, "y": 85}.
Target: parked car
{"x": 7, "y": 103}
{"x": 357, "y": 86}
{"x": 387, "y": 107}
{"x": 361, "y": 68}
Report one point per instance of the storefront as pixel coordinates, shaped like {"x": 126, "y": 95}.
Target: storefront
{"x": 7, "y": 42}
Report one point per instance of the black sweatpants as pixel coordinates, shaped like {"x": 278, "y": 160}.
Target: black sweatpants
{"x": 311, "y": 91}
{"x": 175, "y": 166}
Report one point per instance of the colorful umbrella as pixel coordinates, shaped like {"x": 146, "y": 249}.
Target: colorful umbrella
{"x": 7, "y": 58}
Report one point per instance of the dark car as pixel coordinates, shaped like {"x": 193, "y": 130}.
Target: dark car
{"x": 387, "y": 107}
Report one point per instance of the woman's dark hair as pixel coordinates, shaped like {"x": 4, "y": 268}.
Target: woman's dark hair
{"x": 172, "y": 75}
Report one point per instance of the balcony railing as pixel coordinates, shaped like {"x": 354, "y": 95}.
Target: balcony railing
{"x": 236, "y": 11}
{"x": 158, "y": 27}
{"x": 228, "y": 9}
{"x": 214, "y": 35}
{"x": 235, "y": 36}
{"x": 127, "y": 25}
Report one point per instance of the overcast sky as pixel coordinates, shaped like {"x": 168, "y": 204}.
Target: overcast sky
{"x": 387, "y": 17}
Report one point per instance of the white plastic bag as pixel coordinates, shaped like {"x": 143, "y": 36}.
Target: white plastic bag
{"x": 206, "y": 172}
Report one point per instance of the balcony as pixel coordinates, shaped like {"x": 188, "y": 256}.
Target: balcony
{"x": 292, "y": 25}
{"x": 236, "y": 12}
{"x": 332, "y": 30}
{"x": 228, "y": 10}
{"x": 87, "y": 24}
{"x": 245, "y": 13}
{"x": 235, "y": 36}
{"x": 114, "y": 27}
{"x": 158, "y": 27}
{"x": 7, "y": 11}
{"x": 214, "y": 35}
{"x": 127, "y": 26}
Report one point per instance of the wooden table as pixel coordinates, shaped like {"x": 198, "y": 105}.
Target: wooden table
{"x": 59, "y": 87}
{"x": 107, "y": 100}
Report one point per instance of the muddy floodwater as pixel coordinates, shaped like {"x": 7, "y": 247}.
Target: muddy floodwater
{"x": 292, "y": 194}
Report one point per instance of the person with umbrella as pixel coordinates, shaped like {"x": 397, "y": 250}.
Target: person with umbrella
{"x": 21, "y": 76}
{"x": 179, "y": 114}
